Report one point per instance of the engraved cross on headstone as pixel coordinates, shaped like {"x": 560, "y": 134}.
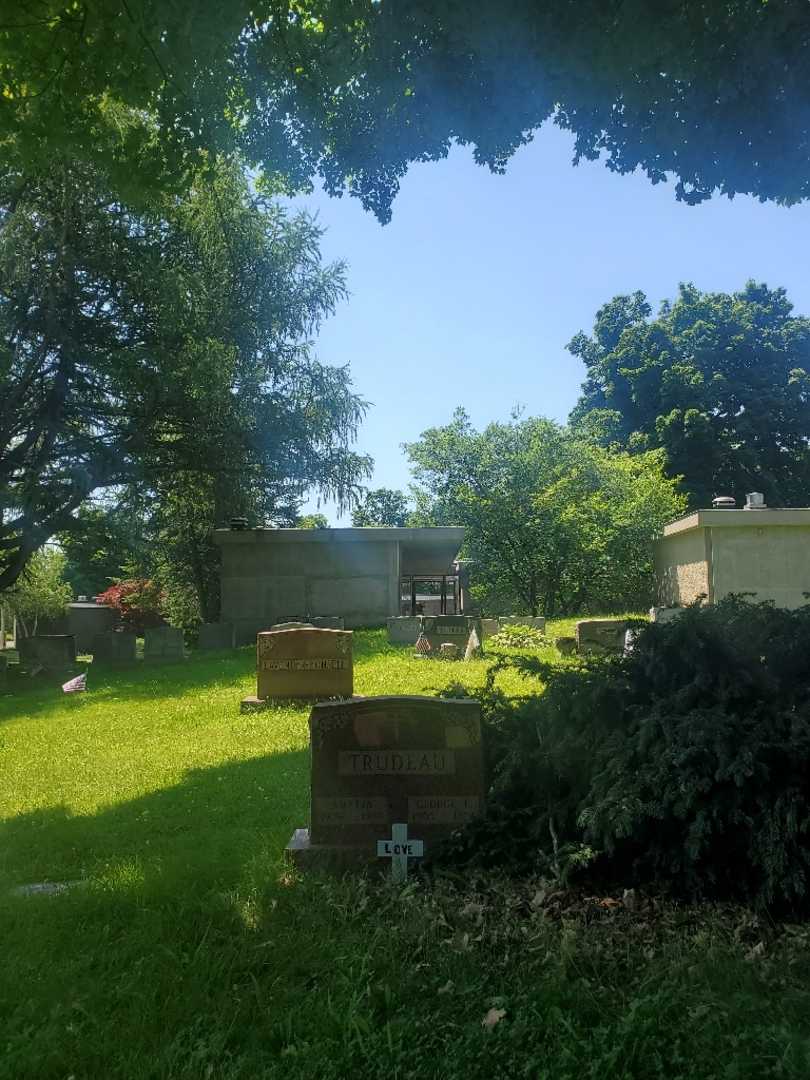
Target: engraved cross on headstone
{"x": 399, "y": 849}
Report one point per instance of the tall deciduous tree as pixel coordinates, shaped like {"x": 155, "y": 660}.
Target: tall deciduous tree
{"x": 715, "y": 95}
{"x": 166, "y": 352}
{"x": 720, "y": 382}
{"x": 381, "y": 507}
{"x": 554, "y": 522}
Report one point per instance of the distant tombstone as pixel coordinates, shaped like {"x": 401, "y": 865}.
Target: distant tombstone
{"x": 489, "y": 627}
{"x": 436, "y": 629}
{"x": 537, "y": 622}
{"x": 404, "y": 629}
{"x": 567, "y": 646}
{"x": 221, "y": 635}
{"x": 382, "y": 761}
{"x": 601, "y": 635}
{"x": 86, "y": 619}
{"x": 329, "y": 622}
{"x": 113, "y": 647}
{"x": 665, "y": 614}
{"x": 302, "y": 663}
{"x": 449, "y": 650}
{"x": 52, "y": 652}
{"x": 163, "y": 643}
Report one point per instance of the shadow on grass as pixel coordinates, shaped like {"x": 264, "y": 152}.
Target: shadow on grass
{"x": 141, "y": 680}
{"x": 216, "y": 829}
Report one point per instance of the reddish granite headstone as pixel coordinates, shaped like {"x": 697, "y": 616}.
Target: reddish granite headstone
{"x": 378, "y": 761}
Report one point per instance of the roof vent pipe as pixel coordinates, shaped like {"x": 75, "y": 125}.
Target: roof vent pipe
{"x": 723, "y": 502}
{"x": 755, "y": 500}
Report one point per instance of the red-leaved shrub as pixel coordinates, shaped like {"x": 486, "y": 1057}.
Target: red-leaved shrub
{"x": 139, "y": 602}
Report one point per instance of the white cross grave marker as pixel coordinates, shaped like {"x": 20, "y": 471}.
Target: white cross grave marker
{"x": 399, "y": 849}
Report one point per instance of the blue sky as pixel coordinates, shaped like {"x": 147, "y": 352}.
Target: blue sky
{"x": 469, "y": 296}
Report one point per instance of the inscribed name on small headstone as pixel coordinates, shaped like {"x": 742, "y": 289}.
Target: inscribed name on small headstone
{"x": 304, "y": 663}
{"x": 380, "y": 761}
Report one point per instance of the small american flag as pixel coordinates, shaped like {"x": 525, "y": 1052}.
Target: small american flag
{"x": 73, "y": 685}
{"x": 423, "y": 646}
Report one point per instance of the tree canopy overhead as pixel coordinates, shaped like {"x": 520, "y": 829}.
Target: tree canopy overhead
{"x": 719, "y": 381}
{"x": 714, "y": 95}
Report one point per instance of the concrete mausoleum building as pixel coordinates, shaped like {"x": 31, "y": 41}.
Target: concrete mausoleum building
{"x": 364, "y": 575}
{"x": 715, "y": 552}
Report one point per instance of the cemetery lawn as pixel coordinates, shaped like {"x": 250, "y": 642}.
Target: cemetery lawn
{"x": 188, "y": 950}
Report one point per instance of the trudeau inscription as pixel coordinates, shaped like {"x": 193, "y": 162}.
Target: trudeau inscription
{"x": 396, "y": 763}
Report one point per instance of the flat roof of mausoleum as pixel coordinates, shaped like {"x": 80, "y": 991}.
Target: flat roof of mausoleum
{"x": 714, "y": 519}
{"x": 424, "y": 552}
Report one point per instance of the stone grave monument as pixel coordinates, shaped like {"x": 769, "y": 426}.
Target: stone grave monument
{"x": 453, "y": 629}
{"x": 113, "y": 647}
{"x": 489, "y": 627}
{"x": 404, "y": 629}
{"x": 381, "y": 761}
{"x": 601, "y": 635}
{"x": 163, "y": 643}
{"x": 50, "y": 652}
{"x": 304, "y": 662}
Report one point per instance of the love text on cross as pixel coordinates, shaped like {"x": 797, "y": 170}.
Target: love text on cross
{"x": 399, "y": 849}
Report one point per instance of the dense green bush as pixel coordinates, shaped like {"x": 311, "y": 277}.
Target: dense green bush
{"x": 514, "y": 636}
{"x": 685, "y": 763}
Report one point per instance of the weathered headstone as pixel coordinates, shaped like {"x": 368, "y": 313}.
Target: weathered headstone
{"x": 537, "y": 622}
{"x": 665, "y": 614}
{"x": 381, "y": 761}
{"x": 51, "y": 652}
{"x": 163, "y": 643}
{"x": 489, "y": 627}
{"x": 601, "y": 635}
{"x": 113, "y": 647}
{"x": 404, "y": 629}
{"x": 302, "y": 663}
{"x": 567, "y": 646}
{"x": 437, "y": 629}
{"x": 292, "y": 624}
{"x": 221, "y": 635}
{"x": 449, "y": 650}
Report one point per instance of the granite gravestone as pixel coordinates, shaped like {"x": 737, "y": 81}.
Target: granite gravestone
{"x": 50, "y": 652}
{"x": 489, "y": 627}
{"x": 163, "y": 643}
{"x": 303, "y": 663}
{"x": 601, "y": 635}
{"x": 456, "y": 629}
{"x": 404, "y": 629}
{"x": 113, "y": 647}
{"x": 386, "y": 760}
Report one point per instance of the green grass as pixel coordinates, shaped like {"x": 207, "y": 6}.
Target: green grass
{"x": 190, "y": 952}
